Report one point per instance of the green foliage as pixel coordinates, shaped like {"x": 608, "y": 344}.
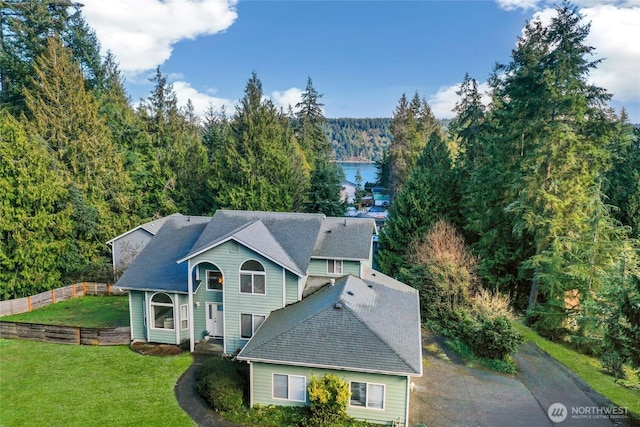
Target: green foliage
{"x": 506, "y": 365}
{"x": 329, "y": 396}
{"x": 428, "y": 196}
{"x": 494, "y": 338}
{"x": 359, "y": 139}
{"x": 220, "y": 385}
{"x": 34, "y": 219}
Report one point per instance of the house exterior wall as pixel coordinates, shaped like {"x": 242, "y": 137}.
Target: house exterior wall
{"x": 318, "y": 267}
{"x": 136, "y": 315}
{"x": 229, "y": 257}
{"x": 396, "y": 389}
{"x": 291, "y": 281}
{"x": 126, "y": 248}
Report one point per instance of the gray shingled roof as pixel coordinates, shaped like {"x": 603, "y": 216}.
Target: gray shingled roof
{"x": 155, "y": 267}
{"x": 286, "y": 238}
{"x": 343, "y": 238}
{"x": 370, "y": 325}
{"x": 151, "y": 227}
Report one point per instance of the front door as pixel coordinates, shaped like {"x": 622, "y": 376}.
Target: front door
{"x": 215, "y": 319}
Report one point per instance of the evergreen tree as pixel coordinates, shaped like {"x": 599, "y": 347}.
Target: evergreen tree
{"x": 428, "y": 196}
{"x": 65, "y": 116}
{"x": 34, "y": 218}
{"x": 260, "y": 165}
{"x": 25, "y": 26}
{"x": 412, "y": 125}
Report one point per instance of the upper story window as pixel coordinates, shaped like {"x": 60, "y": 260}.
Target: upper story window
{"x": 334, "y": 266}
{"x": 162, "y": 311}
{"x": 214, "y": 280}
{"x": 252, "y": 278}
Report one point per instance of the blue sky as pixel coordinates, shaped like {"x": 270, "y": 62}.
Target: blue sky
{"x": 362, "y": 55}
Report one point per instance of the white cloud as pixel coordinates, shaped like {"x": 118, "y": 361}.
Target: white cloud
{"x": 289, "y": 97}
{"x": 141, "y": 33}
{"x": 444, "y": 101}
{"x": 615, "y": 33}
{"x": 200, "y": 101}
{"x": 517, "y": 4}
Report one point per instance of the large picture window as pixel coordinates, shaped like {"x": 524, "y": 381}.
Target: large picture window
{"x": 367, "y": 395}
{"x": 249, "y": 324}
{"x": 162, "y": 311}
{"x": 290, "y": 387}
{"x": 334, "y": 266}
{"x": 252, "y": 278}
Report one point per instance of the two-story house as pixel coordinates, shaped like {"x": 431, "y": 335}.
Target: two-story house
{"x": 295, "y": 292}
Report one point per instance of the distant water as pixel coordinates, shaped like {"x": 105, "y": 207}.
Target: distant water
{"x": 368, "y": 171}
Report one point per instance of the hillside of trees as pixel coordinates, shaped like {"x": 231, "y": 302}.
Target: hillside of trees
{"x": 361, "y": 140}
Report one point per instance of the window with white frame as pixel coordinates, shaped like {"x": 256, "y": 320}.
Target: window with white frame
{"x": 214, "y": 280}
{"x": 249, "y": 324}
{"x": 184, "y": 316}
{"x": 334, "y": 266}
{"x": 289, "y": 387}
{"x": 161, "y": 311}
{"x": 252, "y": 278}
{"x": 367, "y": 395}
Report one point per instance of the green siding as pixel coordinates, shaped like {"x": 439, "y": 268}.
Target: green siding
{"x": 395, "y": 390}
{"x": 161, "y": 335}
{"x": 136, "y": 315}
{"x": 318, "y": 267}
{"x": 202, "y": 296}
{"x": 292, "y": 287}
{"x": 236, "y": 303}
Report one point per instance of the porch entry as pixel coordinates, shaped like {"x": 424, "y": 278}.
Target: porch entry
{"x": 215, "y": 319}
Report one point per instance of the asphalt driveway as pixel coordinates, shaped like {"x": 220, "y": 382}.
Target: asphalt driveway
{"x": 453, "y": 394}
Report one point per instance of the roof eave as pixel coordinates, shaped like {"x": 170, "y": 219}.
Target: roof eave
{"x": 320, "y": 366}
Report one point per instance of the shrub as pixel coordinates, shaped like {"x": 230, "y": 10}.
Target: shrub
{"x": 494, "y": 338}
{"x": 329, "y": 396}
{"x": 220, "y": 385}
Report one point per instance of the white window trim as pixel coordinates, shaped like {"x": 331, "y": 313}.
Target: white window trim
{"x": 206, "y": 284}
{"x": 366, "y": 406}
{"x": 253, "y": 274}
{"x": 160, "y": 304}
{"x": 335, "y": 263}
{"x": 288, "y": 398}
{"x": 184, "y": 317}
{"x": 253, "y": 324}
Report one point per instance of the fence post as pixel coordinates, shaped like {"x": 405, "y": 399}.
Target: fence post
{"x": 84, "y": 289}
{"x": 108, "y": 288}
{"x": 53, "y": 296}
{"x": 73, "y": 290}
{"x": 29, "y": 302}
{"x": 78, "y": 331}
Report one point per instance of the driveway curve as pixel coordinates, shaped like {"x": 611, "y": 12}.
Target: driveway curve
{"x": 453, "y": 394}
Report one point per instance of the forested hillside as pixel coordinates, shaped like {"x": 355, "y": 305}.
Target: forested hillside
{"x": 361, "y": 140}
{"x": 358, "y": 139}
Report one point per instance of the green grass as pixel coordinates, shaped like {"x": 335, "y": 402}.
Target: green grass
{"x": 88, "y": 311}
{"x": 589, "y": 369}
{"x": 68, "y": 385}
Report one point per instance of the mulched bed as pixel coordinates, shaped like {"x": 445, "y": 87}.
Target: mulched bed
{"x": 151, "y": 349}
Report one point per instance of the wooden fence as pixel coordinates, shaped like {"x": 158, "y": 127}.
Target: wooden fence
{"x": 23, "y": 305}
{"x": 65, "y": 334}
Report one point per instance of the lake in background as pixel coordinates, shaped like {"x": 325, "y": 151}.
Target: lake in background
{"x": 368, "y": 171}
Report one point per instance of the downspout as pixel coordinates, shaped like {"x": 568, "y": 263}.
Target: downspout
{"x": 192, "y": 344}
{"x": 406, "y": 405}
{"x": 250, "y": 384}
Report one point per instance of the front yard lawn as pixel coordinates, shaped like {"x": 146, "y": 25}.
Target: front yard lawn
{"x": 69, "y": 385}
{"x": 89, "y": 312}
{"x": 589, "y": 369}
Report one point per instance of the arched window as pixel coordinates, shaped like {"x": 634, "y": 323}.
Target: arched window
{"x": 162, "y": 311}
{"x": 252, "y": 278}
